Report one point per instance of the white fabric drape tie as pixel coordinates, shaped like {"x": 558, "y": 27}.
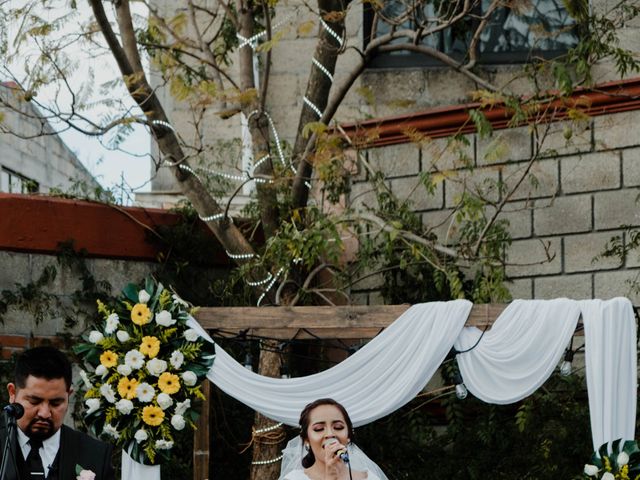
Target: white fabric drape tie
{"x": 612, "y": 378}
{"x": 520, "y": 351}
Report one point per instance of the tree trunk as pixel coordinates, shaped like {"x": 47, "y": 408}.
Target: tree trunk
{"x": 267, "y": 446}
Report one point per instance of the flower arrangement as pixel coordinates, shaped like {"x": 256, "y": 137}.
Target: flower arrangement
{"x": 621, "y": 463}
{"x": 143, "y": 365}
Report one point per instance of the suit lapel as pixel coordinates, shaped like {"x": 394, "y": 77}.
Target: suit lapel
{"x": 65, "y": 470}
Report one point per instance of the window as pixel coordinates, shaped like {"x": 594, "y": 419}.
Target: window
{"x": 533, "y": 28}
{"x": 12, "y": 182}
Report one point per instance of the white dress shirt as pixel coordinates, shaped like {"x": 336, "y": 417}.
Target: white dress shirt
{"x": 48, "y": 452}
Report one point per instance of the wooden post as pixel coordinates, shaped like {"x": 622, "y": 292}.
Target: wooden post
{"x": 267, "y": 447}
{"x": 201, "y": 438}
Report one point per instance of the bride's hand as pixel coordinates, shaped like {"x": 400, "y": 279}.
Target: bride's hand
{"x": 332, "y": 461}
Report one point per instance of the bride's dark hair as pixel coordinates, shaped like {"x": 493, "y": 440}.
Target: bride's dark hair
{"x": 309, "y": 459}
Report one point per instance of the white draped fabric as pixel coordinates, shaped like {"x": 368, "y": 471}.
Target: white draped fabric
{"x": 508, "y": 363}
{"x": 132, "y": 470}
{"x": 378, "y": 379}
{"x": 519, "y": 352}
{"x": 612, "y": 379}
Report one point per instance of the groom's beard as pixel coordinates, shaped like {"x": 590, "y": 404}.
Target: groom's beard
{"x": 40, "y": 428}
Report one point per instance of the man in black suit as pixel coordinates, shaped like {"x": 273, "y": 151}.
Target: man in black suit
{"x": 43, "y": 447}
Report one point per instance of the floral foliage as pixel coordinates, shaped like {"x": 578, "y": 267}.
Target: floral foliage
{"x": 144, "y": 365}
{"x": 622, "y": 462}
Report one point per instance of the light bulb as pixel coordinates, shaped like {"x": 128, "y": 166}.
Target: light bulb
{"x": 565, "y": 368}
{"x": 248, "y": 362}
{"x": 461, "y": 391}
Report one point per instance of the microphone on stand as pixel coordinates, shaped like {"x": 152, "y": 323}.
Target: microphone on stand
{"x": 14, "y": 410}
{"x": 342, "y": 453}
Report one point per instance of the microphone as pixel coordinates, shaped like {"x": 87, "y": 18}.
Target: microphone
{"x": 14, "y": 410}
{"x": 342, "y": 453}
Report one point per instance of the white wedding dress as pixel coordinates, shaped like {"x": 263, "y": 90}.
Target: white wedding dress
{"x": 358, "y": 460}
{"x": 300, "y": 475}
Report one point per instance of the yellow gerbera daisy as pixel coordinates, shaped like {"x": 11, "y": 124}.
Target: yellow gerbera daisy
{"x": 109, "y": 359}
{"x": 150, "y": 346}
{"x": 127, "y": 388}
{"x": 152, "y": 415}
{"x": 169, "y": 383}
{"x": 140, "y": 314}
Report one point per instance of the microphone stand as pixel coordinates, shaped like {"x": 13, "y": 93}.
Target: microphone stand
{"x": 10, "y": 424}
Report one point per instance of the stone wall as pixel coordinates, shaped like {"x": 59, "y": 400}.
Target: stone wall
{"x": 20, "y": 329}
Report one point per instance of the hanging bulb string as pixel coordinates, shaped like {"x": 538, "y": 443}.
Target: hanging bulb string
{"x": 252, "y": 41}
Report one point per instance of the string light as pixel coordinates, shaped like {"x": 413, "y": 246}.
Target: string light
{"x": 267, "y": 429}
{"x": 248, "y": 361}
{"x": 267, "y": 462}
{"x": 331, "y": 31}
{"x": 312, "y": 106}
{"x": 266, "y": 290}
{"x": 461, "y": 389}
{"x": 240, "y": 256}
{"x": 260, "y": 282}
{"x": 212, "y": 218}
{"x": 162, "y": 123}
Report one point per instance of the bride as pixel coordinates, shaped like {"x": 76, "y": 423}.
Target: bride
{"x": 324, "y": 450}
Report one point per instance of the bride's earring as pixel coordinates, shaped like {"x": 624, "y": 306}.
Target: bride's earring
{"x": 306, "y": 447}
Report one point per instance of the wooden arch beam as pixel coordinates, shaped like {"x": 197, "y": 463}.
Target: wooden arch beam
{"x": 339, "y": 322}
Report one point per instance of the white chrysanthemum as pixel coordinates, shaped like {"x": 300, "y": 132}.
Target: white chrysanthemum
{"x": 111, "y": 430}
{"x": 163, "y": 444}
{"x": 141, "y": 435}
{"x": 122, "y": 336}
{"x": 191, "y": 335}
{"x": 164, "y": 401}
{"x": 145, "y": 392}
{"x": 101, "y": 370}
{"x": 176, "y": 360}
{"x": 164, "y": 319}
{"x": 95, "y": 336}
{"x": 608, "y": 476}
{"x": 85, "y": 379}
{"x": 155, "y": 366}
{"x": 124, "y": 406}
{"x": 189, "y": 378}
{"x": 124, "y": 370}
{"x": 134, "y": 359}
{"x": 182, "y": 407}
{"x": 93, "y": 404}
{"x": 178, "y": 422}
{"x": 107, "y": 392}
{"x": 143, "y": 296}
{"x": 112, "y": 323}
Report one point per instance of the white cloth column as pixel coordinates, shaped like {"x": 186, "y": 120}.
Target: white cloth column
{"x": 612, "y": 379}
{"x": 132, "y": 470}
{"x": 519, "y": 352}
{"x": 378, "y": 379}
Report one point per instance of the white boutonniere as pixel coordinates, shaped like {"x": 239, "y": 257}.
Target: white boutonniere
{"x": 82, "y": 474}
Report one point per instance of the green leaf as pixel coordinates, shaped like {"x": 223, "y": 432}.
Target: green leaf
{"x": 131, "y": 292}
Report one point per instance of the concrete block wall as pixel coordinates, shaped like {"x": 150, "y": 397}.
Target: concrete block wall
{"x": 571, "y": 202}
{"x": 20, "y": 327}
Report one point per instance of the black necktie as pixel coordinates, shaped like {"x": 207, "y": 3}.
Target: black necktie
{"x": 33, "y": 463}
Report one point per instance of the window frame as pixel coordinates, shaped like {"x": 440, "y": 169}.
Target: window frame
{"x": 417, "y": 60}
